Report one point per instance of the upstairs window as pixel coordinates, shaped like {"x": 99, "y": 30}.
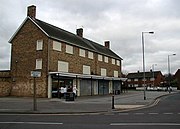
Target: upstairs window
{"x": 86, "y": 69}
{"x": 117, "y": 62}
{"x": 113, "y": 61}
{"x": 82, "y": 52}
{"x": 39, "y": 45}
{"x": 99, "y": 57}
{"x": 106, "y": 59}
{"x": 69, "y": 49}
{"x": 63, "y": 66}
{"x": 90, "y": 55}
{"x": 38, "y": 63}
{"x": 115, "y": 73}
{"x": 56, "y": 46}
{"x": 103, "y": 72}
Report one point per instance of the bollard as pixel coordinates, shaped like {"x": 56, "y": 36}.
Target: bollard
{"x": 113, "y": 102}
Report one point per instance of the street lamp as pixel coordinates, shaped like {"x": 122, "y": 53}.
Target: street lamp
{"x": 169, "y": 73}
{"x": 144, "y": 61}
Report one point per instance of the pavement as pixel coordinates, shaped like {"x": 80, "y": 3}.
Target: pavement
{"x": 87, "y": 104}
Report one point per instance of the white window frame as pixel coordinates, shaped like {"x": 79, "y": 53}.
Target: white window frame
{"x": 69, "y": 49}
{"x": 103, "y": 72}
{"x": 82, "y": 53}
{"x": 99, "y": 57}
{"x": 39, "y": 63}
{"x": 86, "y": 69}
{"x": 105, "y": 59}
{"x": 116, "y": 73}
{"x": 63, "y": 66}
{"x": 117, "y": 62}
{"x": 90, "y": 55}
{"x": 113, "y": 61}
{"x": 136, "y": 80}
{"x": 39, "y": 45}
{"x": 57, "y": 46}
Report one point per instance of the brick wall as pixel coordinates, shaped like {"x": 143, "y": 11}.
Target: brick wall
{"x": 23, "y": 60}
{"x": 5, "y": 83}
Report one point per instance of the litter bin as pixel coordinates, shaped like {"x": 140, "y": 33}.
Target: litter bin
{"x": 69, "y": 96}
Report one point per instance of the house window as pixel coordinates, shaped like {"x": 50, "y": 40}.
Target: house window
{"x": 103, "y": 72}
{"x": 113, "y": 61}
{"x": 152, "y": 79}
{"x": 105, "y": 59}
{"x": 117, "y": 62}
{"x": 82, "y": 52}
{"x": 135, "y": 80}
{"x": 63, "y": 66}
{"x": 56, "y": 46}
{"x": 90, "y": 55}
{"x": 38, "y": 63}
{"x": 99, "y": 57}
{"x": 39, "y": 45}
{"x": 115, "y": 73}
{"x": 69, "y": 49}
{"x": 86, "y": 69}
{"x": 129, "y": 80}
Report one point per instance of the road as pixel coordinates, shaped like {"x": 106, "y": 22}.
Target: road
{"x": 165, "y": 115}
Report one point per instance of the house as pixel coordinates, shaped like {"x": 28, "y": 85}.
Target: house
{"x": 177, "y": 78}
{"x": 64, "y": 59}
{"x": 152, "y": 78}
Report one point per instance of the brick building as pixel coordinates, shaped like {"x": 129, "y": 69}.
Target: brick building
{"x": 153, "y": 78}
{"x": 63, "y": 58}
{"x": 177, "y": 78}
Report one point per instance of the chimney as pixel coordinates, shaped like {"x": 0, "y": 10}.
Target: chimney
{"x": 107, "y": 44}
{"x": 31, "y": 11}
{"x": 79, "y": 32}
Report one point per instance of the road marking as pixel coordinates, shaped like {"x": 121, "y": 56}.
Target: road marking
{"x": 145, "y": 124}
{"x": 123, "y": 113}
{"x": 139, "y": 113}
{"x": 32, "y": 123}
{"x": 168, "y": 113}
{"x": 153, "y": 113}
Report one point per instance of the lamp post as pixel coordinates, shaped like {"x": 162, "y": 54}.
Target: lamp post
{"x": 144, "y": 61}
{"x": 169, "y": 72}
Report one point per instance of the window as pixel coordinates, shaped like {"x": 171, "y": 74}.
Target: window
{"x": 106, "y": 59}
{"x": 39, "y": 45}
{"x": 152, "y": 79}
{"x": 118, "y": 62}
{"x": 113, "y": 61}
{"x": 69, "y": 49}
{"x": 135, "y": 80}
{"x": 115, "y": 73}
{"x": 86, "y": 69}
{"x": 99, "y": 57}
{"x": 103, "y": 72}
{"x": 56, "y": 46}
{"x": 129, "y": 80}
{"x": 63, "y": 66}
{"x": 82, "y": 52}
{"x": 38, "y": 63}
{"x": 90, "y": 55}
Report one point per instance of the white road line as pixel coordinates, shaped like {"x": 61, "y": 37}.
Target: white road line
{"x": 32, "y": 123}
{"x": 123, "y": 113}
{"x": 153, "y": 113}
{"x": 145, "y": 124}
{"x": 168, "y": 113}
{"x": 139, "y": 113}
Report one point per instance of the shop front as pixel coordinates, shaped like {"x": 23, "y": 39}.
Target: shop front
{"x": 87, "y": 85}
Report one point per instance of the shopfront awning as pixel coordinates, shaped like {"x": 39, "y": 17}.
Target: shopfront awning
{"x": 74, "y": 75}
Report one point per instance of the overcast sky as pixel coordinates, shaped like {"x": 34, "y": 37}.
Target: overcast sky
{"x": 119, "y": 21}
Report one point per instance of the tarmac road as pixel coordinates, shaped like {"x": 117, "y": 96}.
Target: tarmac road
{"x": 165, "y": 115}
